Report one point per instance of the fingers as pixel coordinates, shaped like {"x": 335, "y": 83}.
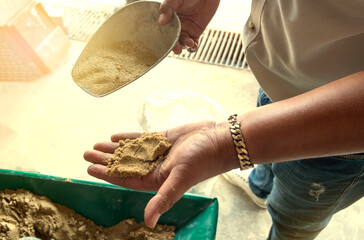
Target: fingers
{"x": 185, "y": 42}
{"x": 193, "y": 48}
{"x": 107, "y": 147}
{"x": 99, "y": 171}
{"x": 165, "y": 16}
{"x": 97, "y": 157}
{"x": 102, "y": 153}
{"x": 166, "y": 10}
{"x": 188, "y": 43}
{"x": 170, "y": 192}
{"x": 147, "y": 183}
{"x": 177, "y": 48}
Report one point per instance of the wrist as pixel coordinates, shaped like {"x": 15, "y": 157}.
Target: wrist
{"x": 226, "y": 147}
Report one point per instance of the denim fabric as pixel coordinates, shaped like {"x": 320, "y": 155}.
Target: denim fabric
{"x": 303, "y": 195}
{"x": 263, "y": 99}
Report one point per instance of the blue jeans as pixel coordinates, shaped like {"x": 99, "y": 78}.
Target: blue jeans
{"x": 303, "y": 195}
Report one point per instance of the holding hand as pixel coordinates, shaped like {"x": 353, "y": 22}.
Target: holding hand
{"x": 194, "y": 15}
{"x": 199, "y": 151}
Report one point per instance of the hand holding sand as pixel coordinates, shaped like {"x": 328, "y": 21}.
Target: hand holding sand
{"x": 199, "y": 151}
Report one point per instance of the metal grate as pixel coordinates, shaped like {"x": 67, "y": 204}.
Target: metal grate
{"x": 218, "y": 47}
{"x": 81, "y": 18}
{"x": 83, "y": 23}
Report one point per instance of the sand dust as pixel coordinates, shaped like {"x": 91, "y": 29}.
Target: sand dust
{"x": 138, "y": 157}
{"x": 104, "y": 69}
{"x": 24, "y": 214}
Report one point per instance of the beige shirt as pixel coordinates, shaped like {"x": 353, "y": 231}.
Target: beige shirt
{"x": 294, "y": 46}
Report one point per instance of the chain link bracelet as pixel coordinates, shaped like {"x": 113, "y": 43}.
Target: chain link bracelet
{"x": 239, "y": 143}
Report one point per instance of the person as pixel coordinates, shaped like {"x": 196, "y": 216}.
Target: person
{"x": 307, "y": 141}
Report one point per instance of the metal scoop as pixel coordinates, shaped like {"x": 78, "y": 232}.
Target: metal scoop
{"x": 135, "y": 22}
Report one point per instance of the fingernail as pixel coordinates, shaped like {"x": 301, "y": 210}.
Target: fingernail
{"x": 190, "y": 44}
{"x": 160, "y": 19}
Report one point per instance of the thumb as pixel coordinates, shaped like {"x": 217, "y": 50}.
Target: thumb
{"x": 166, "y": 10}
{"x": 169, "y": 193}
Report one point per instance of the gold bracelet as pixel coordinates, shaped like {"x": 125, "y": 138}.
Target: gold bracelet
{"x": 239, "y": 143}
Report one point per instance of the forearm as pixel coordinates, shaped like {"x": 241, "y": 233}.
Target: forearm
{"x": 326, "y": 121}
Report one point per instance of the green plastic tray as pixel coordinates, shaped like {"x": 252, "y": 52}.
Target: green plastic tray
{"x": 194, "y": 216}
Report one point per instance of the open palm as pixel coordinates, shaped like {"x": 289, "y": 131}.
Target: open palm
{"x": 196, "y": 155}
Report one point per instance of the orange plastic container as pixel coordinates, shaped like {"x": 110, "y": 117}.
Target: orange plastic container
{"x": 31, "y": 44}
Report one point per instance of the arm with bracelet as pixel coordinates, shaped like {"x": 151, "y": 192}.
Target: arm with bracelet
{"x": 305, "y": 126}
{"x": 325, "y": 121}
